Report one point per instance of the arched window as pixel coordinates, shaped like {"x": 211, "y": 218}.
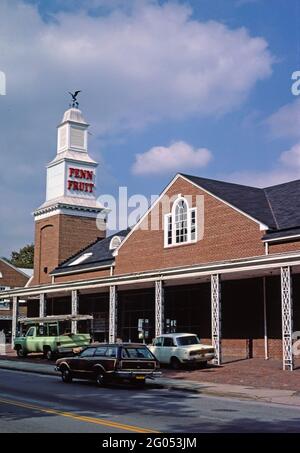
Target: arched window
{"x": 180, "y": 224}
{"x": 115, "y": 242}
{"x": 181, "y": 221}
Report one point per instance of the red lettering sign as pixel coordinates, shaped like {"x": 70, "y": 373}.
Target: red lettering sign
{"x": 81, "y": 174}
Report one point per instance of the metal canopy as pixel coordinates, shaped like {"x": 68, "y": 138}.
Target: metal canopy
{"x": 57, "y": 318}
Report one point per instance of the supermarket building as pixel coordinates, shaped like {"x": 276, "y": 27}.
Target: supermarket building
{"x": 223, "y": 260}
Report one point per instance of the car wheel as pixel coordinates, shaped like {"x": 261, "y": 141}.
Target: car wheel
{"x": 48, "y": 354}
{"x": 66, "y": 375}
{"x": 21, "y": 353}
{"x": 175, "y": 363}
{"x": 100, "y": 379}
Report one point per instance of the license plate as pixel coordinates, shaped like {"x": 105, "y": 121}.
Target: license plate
{"x": 140, "y": 377}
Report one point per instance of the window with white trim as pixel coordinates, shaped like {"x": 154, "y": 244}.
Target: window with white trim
{"x": 180, "y": 224}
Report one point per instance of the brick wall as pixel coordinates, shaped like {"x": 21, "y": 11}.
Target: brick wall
{"x": 242, "y": 348}
{"x": 228, "y": 234}
{"x": 11, "y": 277}
{"x": 57, "y": 238}
{"x": 284, "y": 247}
{"x": 82, "y": 276}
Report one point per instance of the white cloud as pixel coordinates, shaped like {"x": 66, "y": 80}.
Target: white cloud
{"x": 135, "y": 65}
{"x": 286, "y": 121}
{"x": 177, "y": 157}
{"x": 287, "y": 168}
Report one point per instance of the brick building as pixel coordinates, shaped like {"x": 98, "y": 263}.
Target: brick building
{"x": 215, "y": 258}
{"x": 10, "y": 277}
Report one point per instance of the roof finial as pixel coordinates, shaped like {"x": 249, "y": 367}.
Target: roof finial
{"x": 74, "y": 103}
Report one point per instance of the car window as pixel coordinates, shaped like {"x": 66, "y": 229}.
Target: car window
{"x": 101, "y": 351}
{"x": 52, "y": 330}
{"x": 136, "y": 353}
{"x": 89, "y": 352}
{"x": 111, "y": 352}
{"x": 41, "y": 331}
{"x": 157, "y": 341}
{"x": 187, "y": 340}
{"x": 168, "y": 341}
{"x": 30, "y": 332}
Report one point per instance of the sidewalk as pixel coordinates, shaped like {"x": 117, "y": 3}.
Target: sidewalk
{"x": 267, "y": 395}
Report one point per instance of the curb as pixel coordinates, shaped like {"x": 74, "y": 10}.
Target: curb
{"x": 26, "y": 370}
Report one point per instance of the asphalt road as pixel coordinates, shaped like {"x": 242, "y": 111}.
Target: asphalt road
{"x": 35, "y": 403}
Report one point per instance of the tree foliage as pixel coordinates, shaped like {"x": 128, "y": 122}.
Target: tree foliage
{"x": 24, "y": 257}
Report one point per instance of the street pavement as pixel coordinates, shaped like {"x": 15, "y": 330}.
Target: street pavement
{"x": 42, "y": 403}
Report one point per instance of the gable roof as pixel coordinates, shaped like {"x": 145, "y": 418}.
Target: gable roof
{"x": 285, "y": 202}
{"x": 250, "y": 200}
{"x": 98, "y": 254}
{"x": 23, "y": 272}
{"x": 277, "y": 207}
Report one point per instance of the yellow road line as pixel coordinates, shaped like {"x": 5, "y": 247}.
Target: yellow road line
{"x": 97, "y": 421}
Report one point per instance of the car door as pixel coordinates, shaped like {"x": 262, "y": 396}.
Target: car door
{"x": 99, "y": 358}
{"x": 82, "y": 366}
{"x": 167, "y": 349}
{"x": 157, "y": 348}
{"x": 30, "y": 340}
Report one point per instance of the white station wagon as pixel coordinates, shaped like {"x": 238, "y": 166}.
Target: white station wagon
{"x": 176, "y": 349}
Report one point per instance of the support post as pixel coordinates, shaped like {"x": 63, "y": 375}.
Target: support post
{"x": 43, "y": 311}
{"x": 159, "y": 307}
{"x": 15, "y": 316}
{"x": 265, "y": 319}
{"x": 287, "y": 318}
{"x": 75, "y": 305}
{"x": 113, "y": 313}
{"x": 216, "y": 317}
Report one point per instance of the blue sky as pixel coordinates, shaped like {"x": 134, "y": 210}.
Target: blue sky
{"x": 202, "y": 87}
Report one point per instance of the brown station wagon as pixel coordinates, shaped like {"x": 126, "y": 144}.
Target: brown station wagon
{"x": 105, "y": 362}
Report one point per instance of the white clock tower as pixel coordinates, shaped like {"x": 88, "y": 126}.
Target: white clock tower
{"x": 66, "y": 221}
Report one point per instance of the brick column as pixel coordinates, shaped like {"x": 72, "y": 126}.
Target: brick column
{"x": 15, "y": 316}
{"x": 75, "y": 306}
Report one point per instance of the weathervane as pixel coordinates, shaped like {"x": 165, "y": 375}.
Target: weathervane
{"x": 74, "y": 103}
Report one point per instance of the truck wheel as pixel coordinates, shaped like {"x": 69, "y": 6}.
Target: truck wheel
{"x": 175, "y": 363}
{"x": 66, "y": 375}
{"x": 21, "y": 353}
{"x": 48, "y": 354}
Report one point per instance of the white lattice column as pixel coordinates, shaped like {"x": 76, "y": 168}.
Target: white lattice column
{"x": 113, "y": 313}
{"x": 43, "y": 311}
{"x": 75, "y": 306}
{"x": 15, "y": 316}
{"x": 159, "y": 307}
{"x": 287, "y": 318}
{"x": 216, "y": 317}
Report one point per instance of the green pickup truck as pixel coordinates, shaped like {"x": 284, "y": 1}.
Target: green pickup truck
{"x": 50, "y": 337}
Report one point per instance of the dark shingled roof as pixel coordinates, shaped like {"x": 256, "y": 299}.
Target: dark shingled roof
{"x": 101, "y": 255}
{"x": 285, "y": 202}
{"x": 251, "y": 200}
{"x": 278, "y": 206}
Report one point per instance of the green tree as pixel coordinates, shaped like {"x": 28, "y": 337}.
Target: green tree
{"x": 24, "y": 257}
